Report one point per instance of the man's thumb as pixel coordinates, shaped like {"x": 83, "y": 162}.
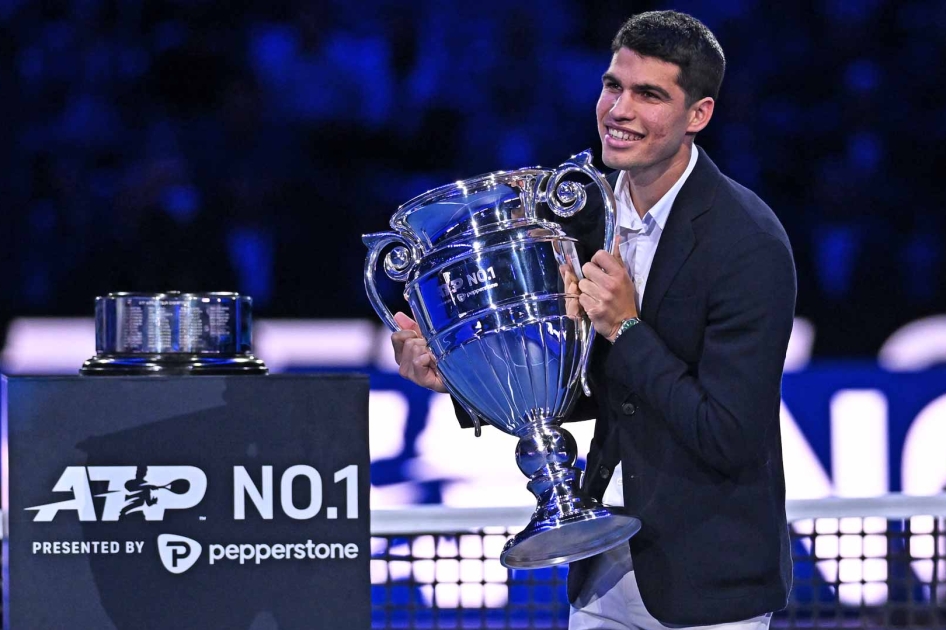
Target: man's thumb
{"x": 406, "y": 322}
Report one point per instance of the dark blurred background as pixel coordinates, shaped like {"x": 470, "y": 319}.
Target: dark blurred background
{"x": 222, "y": 145}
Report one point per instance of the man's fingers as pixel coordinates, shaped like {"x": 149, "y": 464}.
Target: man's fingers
{"x": 596, "y": 274}
{"x": 588, "y": 303}
{"x": 592, "y": 289}
{"x": 586, "y": 287}
{"x": 398, "y": 340}
{"x": 402, "y": 336}
{"x": 409, "y": 330}
{"x": 568, "y": 273}
{"x": 415, "y": 361}
{"x": 411, "y": 349}
{"x": 414, "y": 347}
{"x": 419, "y": 366}
{"x": 610, "y": 263}
{"x": 424, "y": 361}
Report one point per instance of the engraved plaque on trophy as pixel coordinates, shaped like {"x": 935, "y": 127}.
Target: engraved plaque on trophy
{"x": 173, "y": 333}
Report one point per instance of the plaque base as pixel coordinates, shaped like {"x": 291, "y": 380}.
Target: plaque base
{"x": 171, "y": 364}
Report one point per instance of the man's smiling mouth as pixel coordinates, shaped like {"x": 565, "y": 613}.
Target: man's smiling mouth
{"x": 620, "y": 134}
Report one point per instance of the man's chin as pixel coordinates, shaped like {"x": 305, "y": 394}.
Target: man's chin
{"x": 617, "y": 162}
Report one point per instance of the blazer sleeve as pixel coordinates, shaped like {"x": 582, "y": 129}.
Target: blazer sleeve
{"x": 724, "y": 408}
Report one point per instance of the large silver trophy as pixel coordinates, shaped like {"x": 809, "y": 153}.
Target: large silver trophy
{"x": 486, "y": 279}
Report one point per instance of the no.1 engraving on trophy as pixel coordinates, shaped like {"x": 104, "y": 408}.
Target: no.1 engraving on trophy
{"x": 485, "y": 276}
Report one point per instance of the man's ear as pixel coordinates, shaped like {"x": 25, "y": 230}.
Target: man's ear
{"x": 700, "y": 114}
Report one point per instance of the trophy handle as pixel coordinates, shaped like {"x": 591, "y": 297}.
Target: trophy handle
{"x": 567, "y": 198}
{"x": 397, "y": 266}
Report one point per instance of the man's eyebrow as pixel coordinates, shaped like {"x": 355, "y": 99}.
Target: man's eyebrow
{"x": 649, "y": 87}
{"x": 638, "y": 87}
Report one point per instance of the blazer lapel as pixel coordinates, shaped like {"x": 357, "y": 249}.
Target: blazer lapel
{"x": 678, "y": 238}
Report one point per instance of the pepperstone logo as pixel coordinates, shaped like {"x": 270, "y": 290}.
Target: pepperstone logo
{"x": 178, "y": 553}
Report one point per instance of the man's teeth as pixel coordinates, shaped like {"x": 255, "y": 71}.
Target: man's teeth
{"x": 623, "y": 135}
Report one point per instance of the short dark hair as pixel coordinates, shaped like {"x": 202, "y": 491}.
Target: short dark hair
{"x": 680, "y": 39}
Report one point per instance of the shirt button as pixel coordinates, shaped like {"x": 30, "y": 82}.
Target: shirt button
{"x": 604, "y": 472}
{"x": 629, "y": 409}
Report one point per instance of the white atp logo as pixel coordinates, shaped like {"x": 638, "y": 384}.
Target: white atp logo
{"x": 178, "y": 553}
{"x": 149, "y": 490}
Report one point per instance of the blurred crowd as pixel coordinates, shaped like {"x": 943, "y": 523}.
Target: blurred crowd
{"x": 212, "y": 145}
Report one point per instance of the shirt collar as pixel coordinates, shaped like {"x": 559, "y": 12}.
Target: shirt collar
{"x": 627, "y": 214}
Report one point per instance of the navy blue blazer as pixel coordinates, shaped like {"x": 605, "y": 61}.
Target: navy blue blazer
{"x": 689, "y": 401}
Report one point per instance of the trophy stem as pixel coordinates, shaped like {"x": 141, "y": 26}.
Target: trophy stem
{"x": 547, "y": 454}
{"x": 568, "y": 524}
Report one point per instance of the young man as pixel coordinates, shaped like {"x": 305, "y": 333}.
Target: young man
{"x": 694, "y": 316}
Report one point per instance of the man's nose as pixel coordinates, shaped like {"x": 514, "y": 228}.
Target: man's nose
{"x": 622, "y": 108}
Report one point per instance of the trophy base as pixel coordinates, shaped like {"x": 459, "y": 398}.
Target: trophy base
{"x": 567, "y": 538}
{"x": 171, "y": 365}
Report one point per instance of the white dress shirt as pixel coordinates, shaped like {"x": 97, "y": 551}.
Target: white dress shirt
{"x": 638, "y": 239}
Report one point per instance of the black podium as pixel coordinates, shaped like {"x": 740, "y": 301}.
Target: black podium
{"x": 204, "y": 502}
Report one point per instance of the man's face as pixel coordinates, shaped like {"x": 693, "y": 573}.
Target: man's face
{"x": 642, "y": 114}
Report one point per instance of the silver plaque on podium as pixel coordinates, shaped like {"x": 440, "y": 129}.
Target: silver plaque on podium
{"x": 173, "y": 333}
{"x": 486, "y": 278}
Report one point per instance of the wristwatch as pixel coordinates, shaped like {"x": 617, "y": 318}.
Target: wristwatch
{"x": 626, "y": 324}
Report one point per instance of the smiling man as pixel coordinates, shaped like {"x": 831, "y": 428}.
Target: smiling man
{"x": 694, "y": 316}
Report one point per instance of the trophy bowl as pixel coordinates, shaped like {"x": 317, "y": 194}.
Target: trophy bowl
{"x": 486, "y": 280}
{"x": 173, "y": 333}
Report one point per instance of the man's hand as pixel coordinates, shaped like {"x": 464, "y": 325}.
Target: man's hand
{"x": 570, "y": 279}
{"x": 415, "y": 362}
{"x": 607, "y": 293}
